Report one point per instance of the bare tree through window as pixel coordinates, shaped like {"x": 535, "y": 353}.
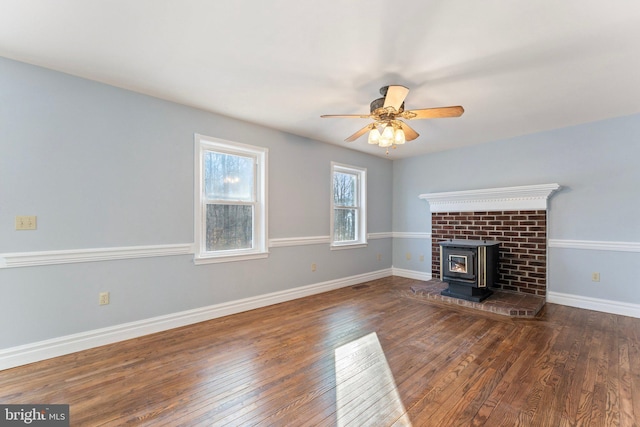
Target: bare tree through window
{"x": 345, "y": 203}
{"x": 230, "y": 201}
{"x": 229, "y": 191}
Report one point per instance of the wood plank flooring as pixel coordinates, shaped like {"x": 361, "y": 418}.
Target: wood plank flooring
{"x": 364, "y": 355}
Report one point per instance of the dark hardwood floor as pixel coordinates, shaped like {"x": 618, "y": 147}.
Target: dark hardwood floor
{"x": 365, "y": 355}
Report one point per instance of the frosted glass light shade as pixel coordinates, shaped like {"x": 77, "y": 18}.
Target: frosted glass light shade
{"x": 386, "y": 139}
{"x": 374, "y": 136}
{"x": 398, "y": 137}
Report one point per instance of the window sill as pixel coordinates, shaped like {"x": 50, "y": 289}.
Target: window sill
{"x": 198, "y": 260}
{"x": 348, "y": 246}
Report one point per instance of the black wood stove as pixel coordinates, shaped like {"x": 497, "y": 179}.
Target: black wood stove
{"x": 469, "y": 267}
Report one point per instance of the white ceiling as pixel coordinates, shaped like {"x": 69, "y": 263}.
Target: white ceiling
{"x": 517, "y": 66}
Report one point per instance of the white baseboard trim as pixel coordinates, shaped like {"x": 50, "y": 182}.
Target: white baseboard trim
{"x": 411, "y": 274}
{"x": 34, "y": 352}
{"x": 606, "y": 306}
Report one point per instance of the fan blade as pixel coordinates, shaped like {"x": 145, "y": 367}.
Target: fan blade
{"x": 346, "y": 116}
{"x": 395, "y": 97}
{"x": 433, "y": 113}
{"x": 360, "y": 132}
{"x": 409, "y": 133}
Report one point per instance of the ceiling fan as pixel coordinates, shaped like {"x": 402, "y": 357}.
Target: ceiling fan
{"x": 387, "y": 130}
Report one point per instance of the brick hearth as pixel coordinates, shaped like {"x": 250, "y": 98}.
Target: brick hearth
{"x": 523, "y": 248}
{"x": 501, "y": 302}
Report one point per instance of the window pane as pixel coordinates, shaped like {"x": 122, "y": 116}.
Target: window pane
{"x": 228, "y": 177}
{"x": 344, "y": 189}
{"x": 344, "y": 227}
{"x": 229, "y": 227}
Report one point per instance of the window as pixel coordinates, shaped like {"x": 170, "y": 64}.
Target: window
{"x": 348, "y": 206}
{"x": 230, "y": 212}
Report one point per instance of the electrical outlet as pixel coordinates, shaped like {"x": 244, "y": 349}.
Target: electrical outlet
{"x": 313, "y": 267}
{"x": 379, "y": 257}
{"x": 595, "y": 277}
{"x": 26, "y": 222}
{"x": 421, "y": 258}
{"x": 408, "y": 256}
{"x": 103, "y": 298}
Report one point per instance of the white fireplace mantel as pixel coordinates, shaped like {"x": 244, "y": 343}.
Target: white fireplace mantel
{"x": 526, "y": 197}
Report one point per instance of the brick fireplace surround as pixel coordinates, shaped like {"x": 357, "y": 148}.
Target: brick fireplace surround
{"x": 522, "y": 266}
{"x": 514, "y": 216}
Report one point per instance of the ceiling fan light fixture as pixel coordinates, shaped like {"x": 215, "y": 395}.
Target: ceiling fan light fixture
{"x": 387, "y": 130}
{"x": 398, "y": 137}
{"x": 374, "y": 136}
{"x": 387, "y": 137}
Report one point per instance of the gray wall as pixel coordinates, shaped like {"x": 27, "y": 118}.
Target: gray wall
{"x": 597, "y": 166}
{"x": 103, "y": 167}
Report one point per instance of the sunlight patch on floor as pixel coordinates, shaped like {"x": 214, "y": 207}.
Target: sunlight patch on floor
{"x": 366, "y": 392}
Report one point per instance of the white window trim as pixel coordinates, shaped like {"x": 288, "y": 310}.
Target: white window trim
{"x": 361, "y": 242}
{"x": 260, "y": 235}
